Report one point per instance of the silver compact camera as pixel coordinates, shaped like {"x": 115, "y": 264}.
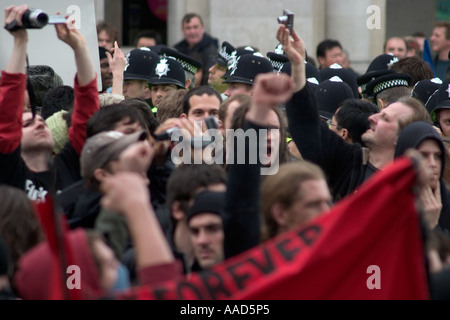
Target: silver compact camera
{"x": 287, "y": 19}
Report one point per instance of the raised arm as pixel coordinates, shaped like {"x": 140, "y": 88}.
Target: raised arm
{"x": 117, "y": 63}
{"x": 86, "y": 93}
{"x": 242, "y": 204}
{"x": 13, "y": 85}
{"x": 85, "y": 68}
{"x": 314, "y": 140}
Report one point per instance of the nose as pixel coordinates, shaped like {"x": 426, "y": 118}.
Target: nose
{"x": 432, "y": 161}
{"x": 373, "y": 118}
{"x": 202, "y": 238}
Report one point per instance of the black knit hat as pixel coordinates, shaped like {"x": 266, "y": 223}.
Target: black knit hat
{"x": 189, "y": 64}
{"x": 169, "y": 71}
{"x": 346, "y": 75}
{"x": 43, "y": 78}
{"x": 387, "y": 81}
{"x": 207, "y": 202}
{"x": 141, "y": 64}
{"x": 248, "y": 66}
{"x": 330, "y": 94}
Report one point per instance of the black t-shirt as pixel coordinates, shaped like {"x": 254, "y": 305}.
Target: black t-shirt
{"x": 64, "y": 172}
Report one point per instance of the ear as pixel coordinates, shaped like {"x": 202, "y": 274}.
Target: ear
{"x": 321, "y": 60}
{"x": 344, "y": 134}
{"x": 100, "y": 174}
{"x": 183, "y": 115}
{"x": 381, "y": 104}
{"x": 278, "y": 214}
{"x": 188, "y": 83}
{"x": 176, "y": 211}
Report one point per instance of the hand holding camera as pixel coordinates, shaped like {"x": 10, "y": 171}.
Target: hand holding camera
{"x": 287, "y": 19}
{"x": 21, "y": 17}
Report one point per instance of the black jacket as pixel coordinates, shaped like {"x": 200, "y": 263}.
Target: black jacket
{"x": 345, "y": 165}
{"x": 205, "y": 52}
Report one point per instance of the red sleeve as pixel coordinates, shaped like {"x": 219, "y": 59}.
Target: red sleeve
{"x": 160, "y": 273}
{"x": 12, "y": 96}
{"x": 86, "y": 103}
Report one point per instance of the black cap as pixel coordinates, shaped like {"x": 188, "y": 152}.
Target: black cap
{"x": 346, "y": 75}
{"x": 431, "y": 104}
{"x": 224, "y": 55}
{"x": 189, "y": 64}
{"x": 235, "y": 56}
{"x": 207, "y": 202}
{"x": 387, "y": 81}
{"x": 382, "y": 62}
{"x": 442, "y": 99}
{"x": 157, "y": 48}
{"x": 141, "y": 64}
{"x": 277, "y": 60}
{"x": 423, "y": 89}
{"x": 312, "y": 74}
{"x": 248, "y": 66}
{"x": 169, "y": 71}
{"x": 330, "y": 94}
{"x": 364, "y": 79}
{"x": 377, "y": 68}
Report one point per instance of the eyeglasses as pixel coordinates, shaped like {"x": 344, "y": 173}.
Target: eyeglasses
{"x": 333, "y": 125}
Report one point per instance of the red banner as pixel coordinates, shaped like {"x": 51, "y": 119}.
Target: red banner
{"x": 368, "y": 246}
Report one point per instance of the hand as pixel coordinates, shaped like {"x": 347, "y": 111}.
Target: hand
{"x": 432, "y": 205}
{"x": 15, "y": 13}
{"x": 271, "y": 90}
{"x": 293, "y": 48}
{"x": 117, "y": 61}
{"x": 70, "y": 35}
{"x": 136, "y": 158}
{"x": 123, "y": 190}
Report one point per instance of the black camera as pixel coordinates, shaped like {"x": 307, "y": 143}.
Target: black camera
{"x": 287, "y": 19}
{"x": 35, "y": 19}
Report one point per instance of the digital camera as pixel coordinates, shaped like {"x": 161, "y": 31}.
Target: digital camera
{"x": 35, "y": 19}
{"x": 287, "y": 19}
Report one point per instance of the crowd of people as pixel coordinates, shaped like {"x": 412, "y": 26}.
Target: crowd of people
{"x": 145, "y": 177}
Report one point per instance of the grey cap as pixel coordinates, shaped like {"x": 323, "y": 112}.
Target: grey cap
{"x": 104, "y": 147}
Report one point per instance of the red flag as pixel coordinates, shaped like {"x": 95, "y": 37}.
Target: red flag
{"x": 368, "y": 246}
{"x": 55, "y": 228}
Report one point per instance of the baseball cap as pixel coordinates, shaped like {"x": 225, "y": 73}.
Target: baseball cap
{"x": 104, "y": 147}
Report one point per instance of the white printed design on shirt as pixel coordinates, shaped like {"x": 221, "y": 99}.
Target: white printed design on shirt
{"x": 35, "y": 194}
